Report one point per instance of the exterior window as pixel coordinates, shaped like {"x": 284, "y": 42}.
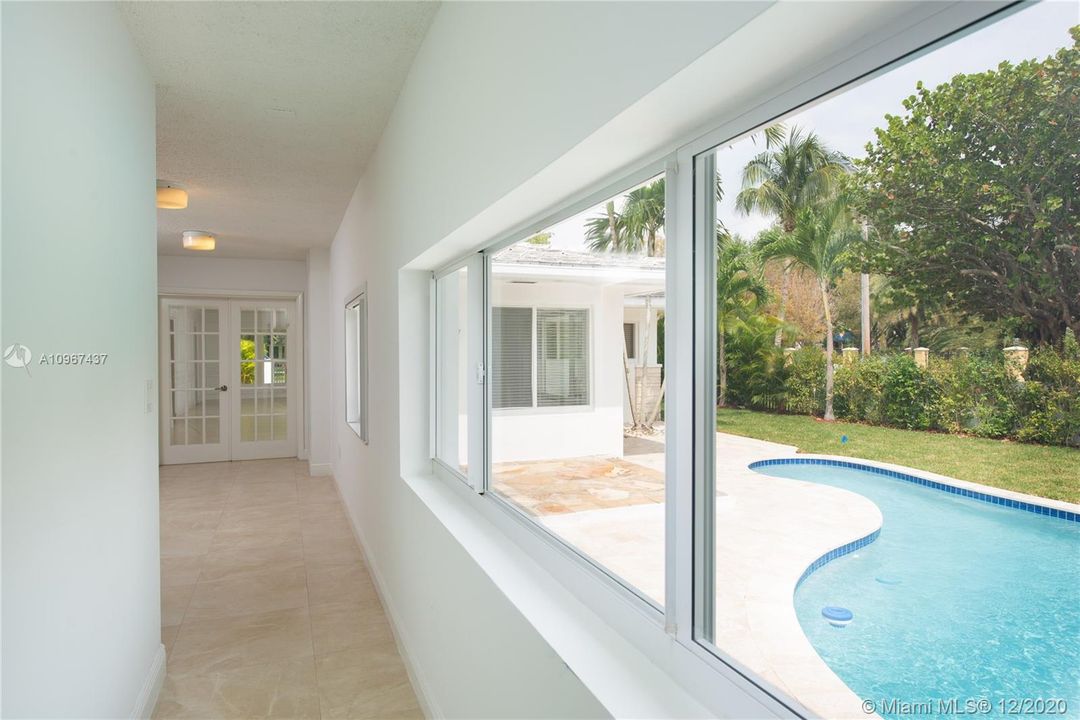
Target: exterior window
{"x": 630, "y": 338}
{"x": 562, "y": 356}
{"x": 561, "y": 339}
{"x": 511, "y": 357}
{"x": 356, "y": 354}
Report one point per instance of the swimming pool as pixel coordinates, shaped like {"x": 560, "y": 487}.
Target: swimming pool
{"x": 956, "y": 599}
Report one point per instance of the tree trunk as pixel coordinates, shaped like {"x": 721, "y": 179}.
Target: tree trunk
{"x": 785, "y": 287}
{"x": 828, "y": 353}
{"x": 613, "y": 226}
{"x": 913, "y": 335}
{"x": 721, "y": 355}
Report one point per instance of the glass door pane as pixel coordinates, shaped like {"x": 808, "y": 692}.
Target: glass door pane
{"x": 264, "y": 346}
{"x": 191, "y": 381}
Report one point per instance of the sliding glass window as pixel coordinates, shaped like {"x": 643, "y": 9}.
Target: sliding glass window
{"x": 577, "y": 421}
{"x": 459, "y": 374}
{"x": 864, "y": 302}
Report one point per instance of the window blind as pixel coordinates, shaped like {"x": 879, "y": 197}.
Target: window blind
{"x": 562, "y": 343}
{"x": 629, "y": 331}
{"x": 511, "y": 357}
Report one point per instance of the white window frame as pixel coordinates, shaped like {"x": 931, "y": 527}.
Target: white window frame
{"x": 671, "y": 634}
{"x": 476, "y": 329}
{"x": 357, "y": 411}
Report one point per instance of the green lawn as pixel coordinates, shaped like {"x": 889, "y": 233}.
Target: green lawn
{"x": 1052, "y": 472}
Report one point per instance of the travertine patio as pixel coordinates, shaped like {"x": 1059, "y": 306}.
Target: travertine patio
{"x": 768, "y": 530}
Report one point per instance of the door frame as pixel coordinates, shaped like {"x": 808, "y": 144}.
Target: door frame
{"x": 299, "y": 416}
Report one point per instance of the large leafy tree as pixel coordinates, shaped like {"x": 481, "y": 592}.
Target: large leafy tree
{"x": 973, "y": 191}
{"x": 637, "y": 228}
{"x": 820, "y": 243}
{"x": 795, "y": 171}
{"x": 739, "y": 289}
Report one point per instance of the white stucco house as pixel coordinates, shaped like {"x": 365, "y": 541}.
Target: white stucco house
{"x": 574, "y": 337}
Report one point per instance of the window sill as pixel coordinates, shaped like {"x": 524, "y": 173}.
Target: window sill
{"x": 627, "y": 681}
{"x": 356, "y": 428}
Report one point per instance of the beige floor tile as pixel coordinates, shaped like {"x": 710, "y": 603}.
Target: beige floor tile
{"x": 189, "y": 521}
{"x": 246, "y": 495}
{"x": 272, "y": 690}
{"x": 341, "y": 583}
{"x": 366, "y": 683}
{"x": 272, "y": 589}
{"x": 321, "y": 512}
{"x": 181, "y": 569}
{"x": 321, "y": 553}
{"x": 346, "y": 625}
{"x": 186, "y": 544}
{"x": 215, "y": 644}
{"x": 230, "y": 564}
{"x": 328, "y": 530}
{"x": 168, "y": 636}
{"x": 246, "y": 547}
{"x": 174, "y": 603}
{"x": 318, "y": 491}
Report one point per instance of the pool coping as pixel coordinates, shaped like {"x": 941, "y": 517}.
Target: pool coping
{"x": 1047, "y": 507}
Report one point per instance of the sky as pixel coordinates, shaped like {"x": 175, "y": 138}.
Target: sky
{"x": 846, "y": 121}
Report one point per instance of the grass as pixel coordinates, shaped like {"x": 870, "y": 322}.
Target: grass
{"x": 1050, "y": 472}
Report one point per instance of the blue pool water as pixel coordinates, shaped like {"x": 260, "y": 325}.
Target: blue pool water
{"x": 956, "y": 599}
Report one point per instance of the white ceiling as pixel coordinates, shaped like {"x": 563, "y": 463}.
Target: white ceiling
{"x": 268, "y": 111}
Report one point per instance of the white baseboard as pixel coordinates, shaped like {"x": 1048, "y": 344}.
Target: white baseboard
{"x": 401, "y": 636}
{"x": 320, "y": 469}
{"x": 148, "y": 695}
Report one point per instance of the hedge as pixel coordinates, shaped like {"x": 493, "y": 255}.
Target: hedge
{"x": 969, "y": 394}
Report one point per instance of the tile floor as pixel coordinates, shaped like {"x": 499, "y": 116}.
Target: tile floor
{"x": 268, "y": 610}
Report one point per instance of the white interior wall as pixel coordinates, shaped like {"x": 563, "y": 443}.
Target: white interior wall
{"x": 81, "y": 618}
{"x": 206, "y": 272}
{"x": 451, "y": 149}
{"x": 317, "y": 364}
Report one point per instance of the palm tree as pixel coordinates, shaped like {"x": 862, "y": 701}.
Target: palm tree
{"x": 789, "y": 176}
{"x": 636, "y": 229}
{"x": 739, "y": 285}
{"x": 820, "y": 243}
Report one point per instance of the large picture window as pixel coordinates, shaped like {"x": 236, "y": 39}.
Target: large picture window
{"x": 810, "y": 393}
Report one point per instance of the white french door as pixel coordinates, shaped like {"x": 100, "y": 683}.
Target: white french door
{"x": 228, "y": 379}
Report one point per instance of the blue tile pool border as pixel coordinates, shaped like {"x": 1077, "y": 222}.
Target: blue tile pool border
{"x": 1052, "y": 512}
{"x": 837, "y": 553}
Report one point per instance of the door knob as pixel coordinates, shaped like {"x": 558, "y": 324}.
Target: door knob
{"x": 223, "y": 388}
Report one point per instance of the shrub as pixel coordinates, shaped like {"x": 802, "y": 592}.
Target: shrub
{"x": 975, "y": 395}
{"x": 1049, "y": 405}
{"x": 757, "y": 374}
{"x": 858, "y": 388}
{"x": 907, "y": 394}
{"x": 805, "y": 391}
{"x": 969, "y": 394}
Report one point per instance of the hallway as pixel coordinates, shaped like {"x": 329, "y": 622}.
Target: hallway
{"x": 268, "y": 610}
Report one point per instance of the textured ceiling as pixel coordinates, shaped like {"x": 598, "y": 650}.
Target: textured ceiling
{"x": 268, "y": 111}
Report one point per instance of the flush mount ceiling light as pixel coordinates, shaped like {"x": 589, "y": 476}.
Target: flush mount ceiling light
{"x": 171, "y": 197}
{"x": 199, "y": 240}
